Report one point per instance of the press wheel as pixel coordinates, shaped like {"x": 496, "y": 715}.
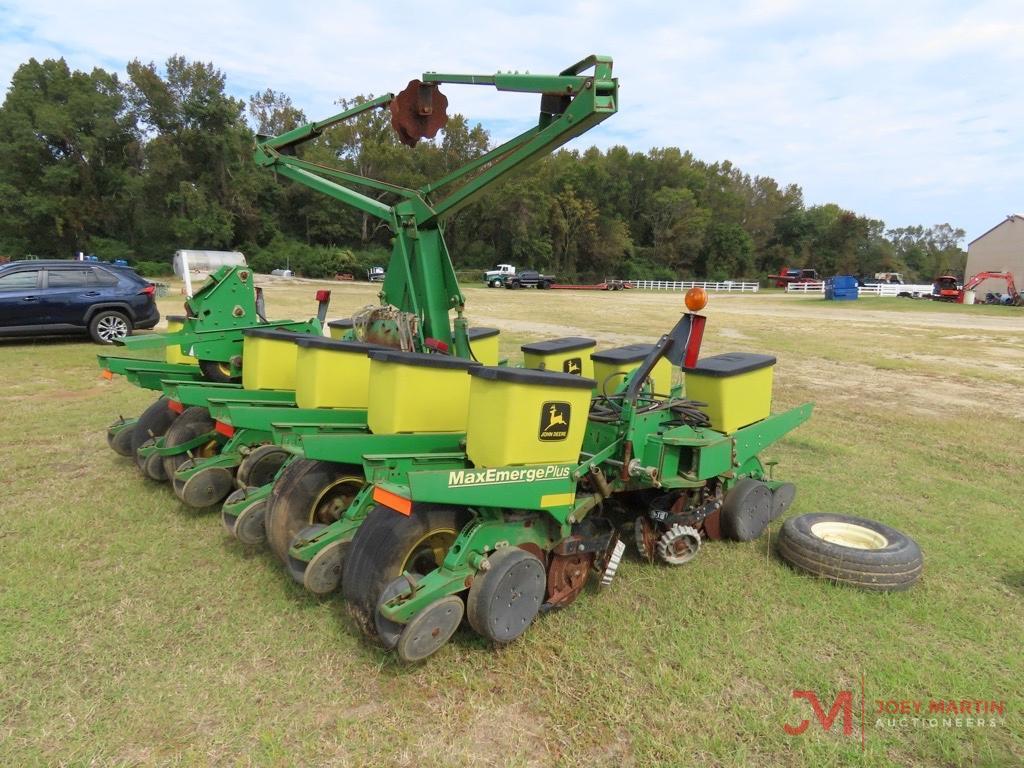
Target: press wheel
{"x": 504, "y": 599}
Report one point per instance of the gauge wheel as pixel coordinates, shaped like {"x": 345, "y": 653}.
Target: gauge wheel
{"x": 152, "y": 423}
{"x": 389, "y": 544}
{"x": 192, "y": 423}
{"x": 851, "y": 550}
{"x": 306, "y": 493}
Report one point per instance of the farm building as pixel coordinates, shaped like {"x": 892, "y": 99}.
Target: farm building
{"x": 1001, "y": 249}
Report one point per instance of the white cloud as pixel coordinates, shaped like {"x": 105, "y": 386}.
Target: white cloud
{"x": 909, "y": 112}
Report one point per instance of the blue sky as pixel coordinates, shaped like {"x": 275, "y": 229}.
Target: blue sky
{"x": 911, "y": 112}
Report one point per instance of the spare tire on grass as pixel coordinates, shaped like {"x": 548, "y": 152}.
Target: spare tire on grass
{"x": 851, "y": 550}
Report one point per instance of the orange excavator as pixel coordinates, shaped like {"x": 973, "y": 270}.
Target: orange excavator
{"x": 1011, "y": 288}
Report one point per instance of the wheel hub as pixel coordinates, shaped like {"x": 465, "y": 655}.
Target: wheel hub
{"x": 849, "y": 535}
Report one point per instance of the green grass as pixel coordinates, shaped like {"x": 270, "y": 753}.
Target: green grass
{"x": 135, "y": 632}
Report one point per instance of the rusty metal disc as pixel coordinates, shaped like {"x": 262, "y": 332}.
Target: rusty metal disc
{"x": 567, "y": 575}
{"x": 418, "y": 112}
{"x": 645, "y": 537}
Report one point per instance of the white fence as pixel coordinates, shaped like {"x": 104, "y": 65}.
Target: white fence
{"x": 726, "y": 286}
{"x": 883, "y": 289}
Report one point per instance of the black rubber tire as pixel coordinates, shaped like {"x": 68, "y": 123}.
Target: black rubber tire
{"x": 261, "y": 466}
{"x": 154, "y": 422}
{"x": 890, "y": 568}
{"x": 217, "y": 372}
{"x": 109, "y": 326}
{"x": 298, "y": 499}
{"x": 747, "y": 510}
{"x": 192, "y": 423}
{"x": 382, "y": 548}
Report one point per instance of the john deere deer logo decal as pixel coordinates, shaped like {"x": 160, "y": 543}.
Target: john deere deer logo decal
{"x": 554, "y": 421}
{"x": 574, "y": 366}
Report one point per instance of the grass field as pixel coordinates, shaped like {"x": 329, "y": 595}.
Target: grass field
{"x": 135, "y": 632}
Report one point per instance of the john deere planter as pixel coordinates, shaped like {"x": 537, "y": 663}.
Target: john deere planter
{"x": 518, "y": 522}
{"x": 203, "y": 345}
{"x": 399, "y": 460}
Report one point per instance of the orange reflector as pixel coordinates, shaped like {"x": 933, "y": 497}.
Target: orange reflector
{"x": 223, "y": 429}
{"x": 107, "y": 374}
{"x": 696, "y": 299}
{"x": 175, "y": 406}
{"x": 388, "y": 499}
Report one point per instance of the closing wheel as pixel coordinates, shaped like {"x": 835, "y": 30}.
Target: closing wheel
{"x": 851, "y": 550}
{"x": 323, "y": 572}
{"x": 505, "y": 598}
{"x": 389, "y": 544}
{"x": 297, "y": 568}
{"x": 260, "y": 466}
{"x": 388, "y": 632}
{"x": 152, "y": 466}
{"x": 217, "y": 372}
{"x": 747, "y": 510}
{"x": 119, "y": 438}
{"x": 248, "y": 526}
{"x": 309, "y": 492}
{"x": 205, "y": 488}
{"x": 153, "y": 422}
{"x": 192, "y": 423}
{"x": 430, "y": 629}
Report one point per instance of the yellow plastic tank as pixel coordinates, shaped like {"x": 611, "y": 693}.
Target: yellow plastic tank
{"x": 737, "y": 388}
{"x": 522, "y": 416}
{"x": 268, "y": 358}
{"x": 483, "y": 342}
{"x": 173, "y": 354}
{"x": 415, "y": 392}
{"x": 568, "y": 355}
{"x": 332, "y": 374}
{"x": 339, "y": 329}
{"x": 611, "y": 367}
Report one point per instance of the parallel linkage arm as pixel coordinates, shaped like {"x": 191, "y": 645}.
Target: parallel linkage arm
{"x": 421, "y": 279}
{"x": 571, "y": 104}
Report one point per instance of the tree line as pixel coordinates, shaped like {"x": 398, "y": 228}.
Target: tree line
{"x": 137, "y": 168}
